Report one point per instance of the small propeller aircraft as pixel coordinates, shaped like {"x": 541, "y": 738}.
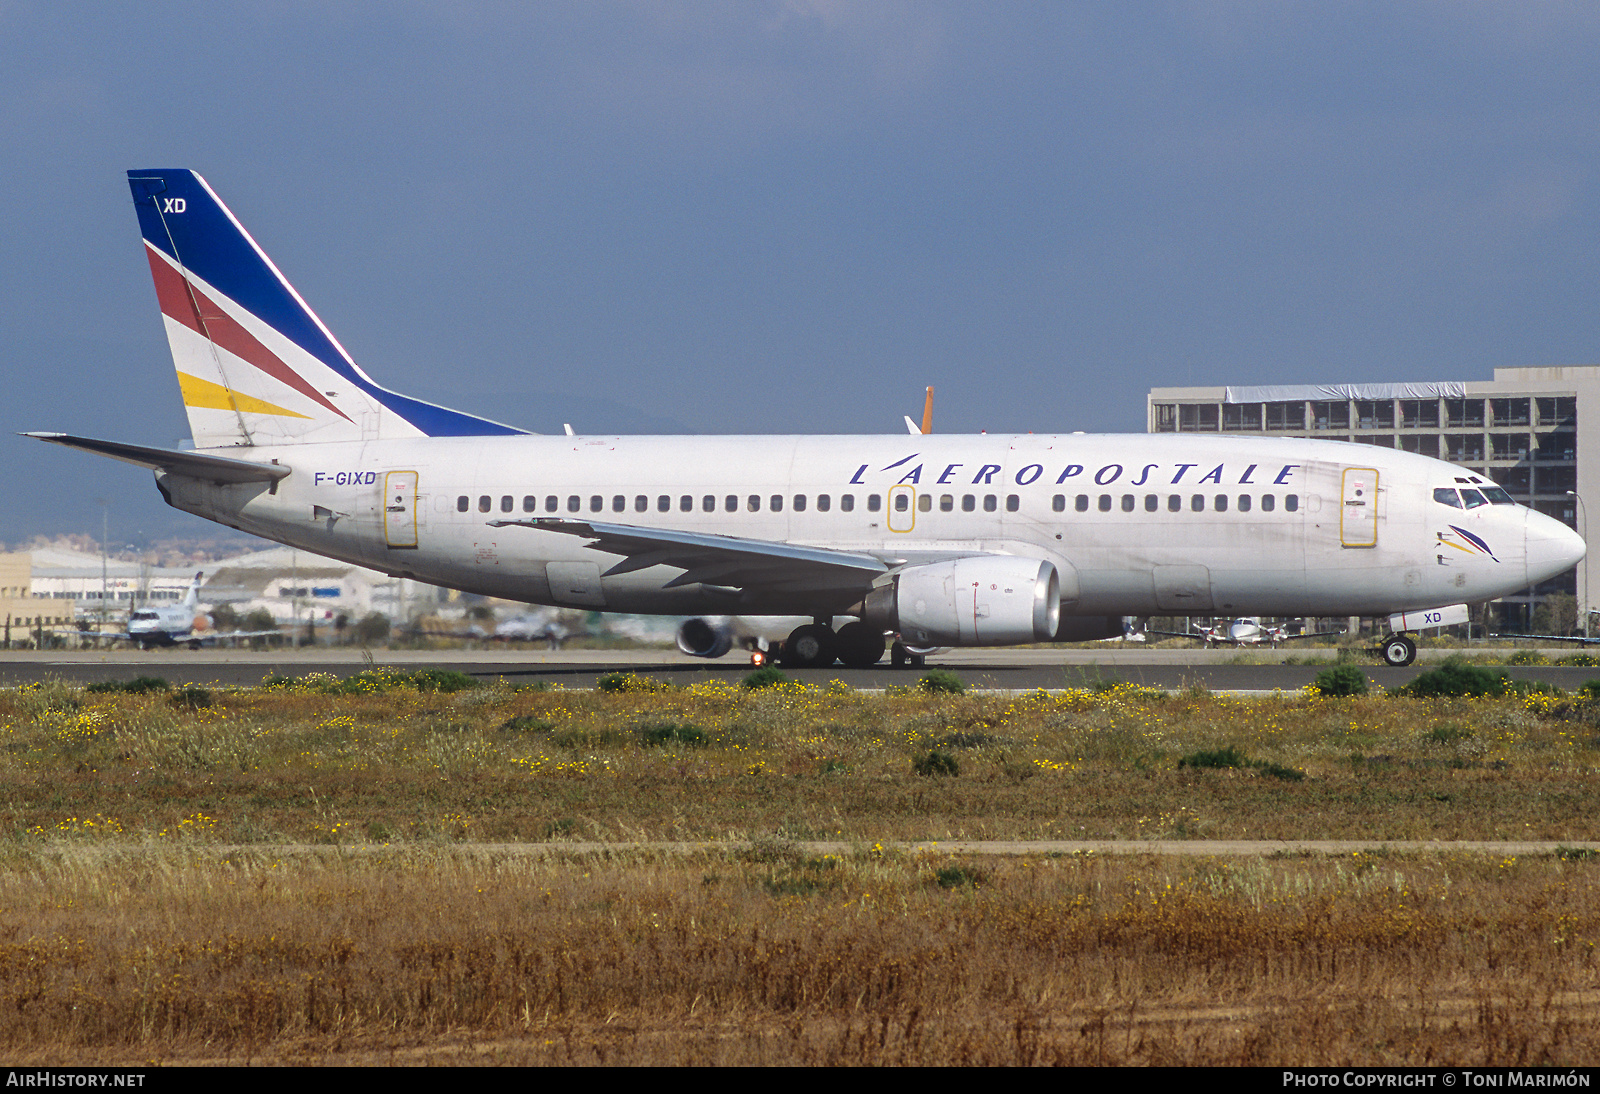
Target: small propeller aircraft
{"x": 1243, "y": 631}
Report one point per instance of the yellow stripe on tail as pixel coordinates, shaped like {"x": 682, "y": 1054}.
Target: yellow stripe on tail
{"x": 210, "y": 396}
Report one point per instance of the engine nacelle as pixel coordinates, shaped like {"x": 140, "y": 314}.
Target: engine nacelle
{"x": 989, "y": 600}
{"x": 702, "y": 637}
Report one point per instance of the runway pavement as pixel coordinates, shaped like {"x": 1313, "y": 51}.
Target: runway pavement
{"x": 1010, "y": 669}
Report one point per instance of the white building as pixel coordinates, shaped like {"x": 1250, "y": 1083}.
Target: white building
{"x": 93, "y": 583}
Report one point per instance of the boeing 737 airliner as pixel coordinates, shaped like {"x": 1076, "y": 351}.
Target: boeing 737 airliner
{"x": 935, "y": 540}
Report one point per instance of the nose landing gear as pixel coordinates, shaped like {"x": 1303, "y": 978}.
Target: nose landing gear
{"x": 1399, "y": 650}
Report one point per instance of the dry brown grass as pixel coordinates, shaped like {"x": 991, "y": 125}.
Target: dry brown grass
{"x": 771, "y": 957}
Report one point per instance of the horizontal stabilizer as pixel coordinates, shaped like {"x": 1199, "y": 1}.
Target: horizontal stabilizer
{"x": 194, "y": 465}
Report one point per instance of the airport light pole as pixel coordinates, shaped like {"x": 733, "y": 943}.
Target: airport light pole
{"x": 1583, "y": 522}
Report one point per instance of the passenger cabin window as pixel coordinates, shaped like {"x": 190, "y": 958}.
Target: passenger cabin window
{"x": 1220, "y": 503}
{"x": 641, "y": 503}
{"x": 1127, "y": 503}
{"x": 799, "y": 503}
{"x": 551, "y": 503}
{"x": 664, "y": 503}
{"x": 990, "y": 504}
{"x": 874, "y": 503}
{"x": 484, "y": 503}
{"x": 686, "y": 504}
{"x": 731, "y": 503}
{"x": 1291, "y": 502}
{"x": 708, "y": 504}
{"x": 1059, "y": 503}
{"x": 1267, "y": 503}
{"x": 530, "y": 503}
{"x": 596, "y": 503}
{"x": 777, "y": 503}
{"x": 753, "y": 503}
{"x": 924, "y": 503}
{"x": 1174, "y": 503}
{"x": 1197, "y": 503}
{"x": 505, "y": 503}
{"x": 1151, "y": 503}
{"x": 619, "y": 504}
{"x": 1105, "y": 503}
{"x": 847, "y": 503}
{"x": 824, "y": 503}
{"x": 462, "y": 504}
{"x": 901, "y": 503}
{"x": 1081, "y": 503}
{"x": 1013, "y": 503}
{"x": 1244, "y": 503}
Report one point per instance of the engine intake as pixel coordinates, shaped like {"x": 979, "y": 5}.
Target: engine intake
{"x": 988, "y": 600}
{"x": 701, "y": 637}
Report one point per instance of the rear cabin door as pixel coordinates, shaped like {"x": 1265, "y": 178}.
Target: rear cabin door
{"x": 400, "y": 509}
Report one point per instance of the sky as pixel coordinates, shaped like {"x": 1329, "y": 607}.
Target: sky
{"x": 790, "y": 216}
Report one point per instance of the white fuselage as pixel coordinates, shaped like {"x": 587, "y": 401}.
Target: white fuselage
{"x": 1136, "y": 524}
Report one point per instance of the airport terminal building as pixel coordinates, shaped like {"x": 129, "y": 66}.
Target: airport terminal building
{"x": 1535, "y": 431}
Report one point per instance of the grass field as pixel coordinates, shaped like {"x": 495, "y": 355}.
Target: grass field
{"x": 158, "y": 902}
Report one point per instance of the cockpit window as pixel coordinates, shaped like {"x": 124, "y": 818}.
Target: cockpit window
{"x": 1473, "y": 499}
{"x": 1498, "y": 496}
{"x": 1445, "y": 496}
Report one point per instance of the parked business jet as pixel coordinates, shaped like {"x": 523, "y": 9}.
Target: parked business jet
{"x": 166, "y": 625}
{"x": 172, "y": 625}
{"x": 941, "y": 540}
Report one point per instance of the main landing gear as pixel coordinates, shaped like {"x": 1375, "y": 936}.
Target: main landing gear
{"x": 817, "y": 645}
{"x": 1399, "y": 650}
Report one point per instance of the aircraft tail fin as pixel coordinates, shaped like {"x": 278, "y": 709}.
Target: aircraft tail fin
{"x": 191, "y": 599}
{"x": 255, "y": 364}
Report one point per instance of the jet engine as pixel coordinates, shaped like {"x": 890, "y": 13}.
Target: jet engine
{"x": 988, "y": 600}
{"x": 703, "y": 637}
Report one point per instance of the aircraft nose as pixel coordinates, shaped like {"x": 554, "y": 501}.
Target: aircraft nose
{"x": 1553, "y": 548}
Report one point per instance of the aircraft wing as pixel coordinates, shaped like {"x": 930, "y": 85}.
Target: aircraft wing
{"x": 1310, "y": 634}
{"x": 1551, "y": 638}
{"x": 197, "y": 465}
{"x": 718, "y": 560}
